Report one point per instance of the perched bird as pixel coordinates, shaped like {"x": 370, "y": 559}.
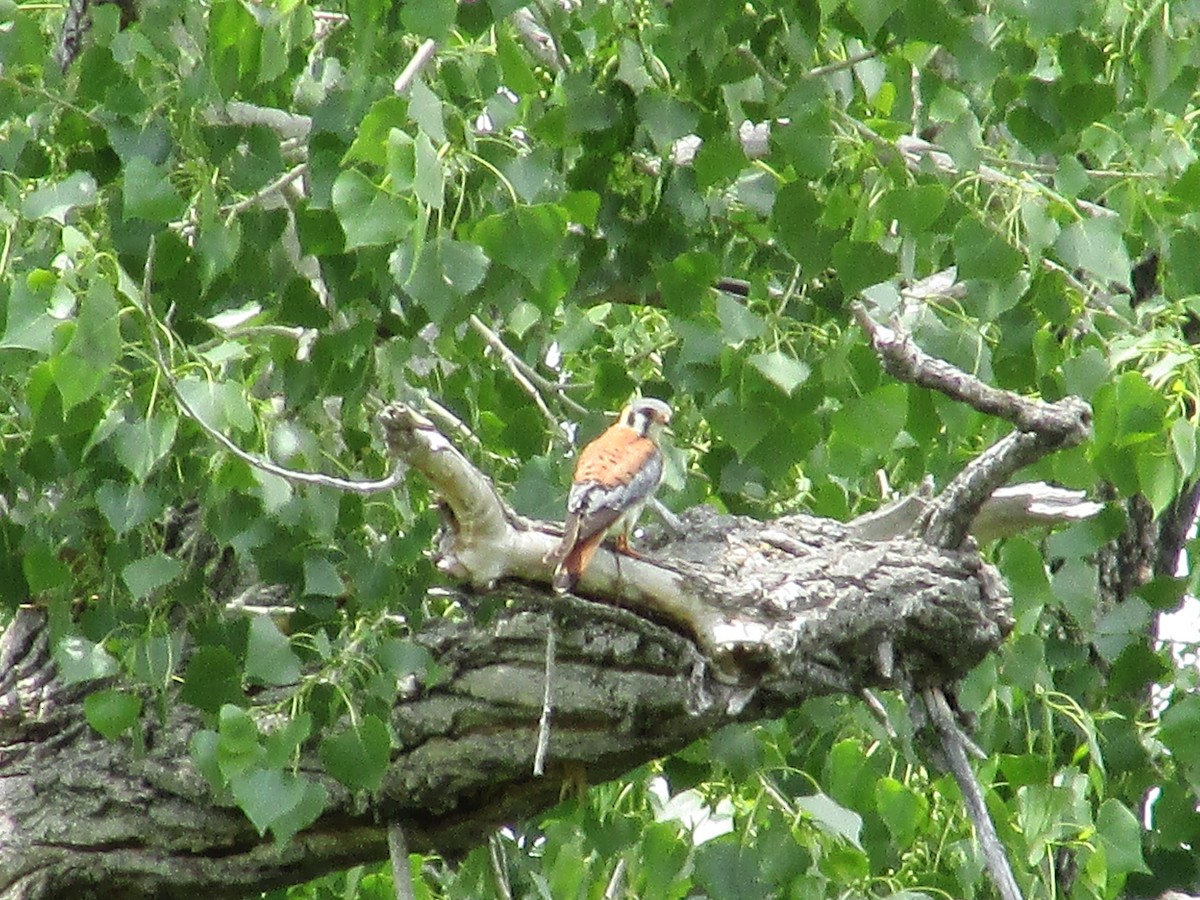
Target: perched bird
{"x": 616, "y": 475}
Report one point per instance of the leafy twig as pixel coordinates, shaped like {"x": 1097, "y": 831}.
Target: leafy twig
{"x": 524, "y": 374}
{"x": 258, "y": 196}
{"x": 848, "y": 63}
{"x": 263, "y": 465}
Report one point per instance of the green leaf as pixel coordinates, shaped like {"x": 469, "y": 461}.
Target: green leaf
{"x": 526, "y": 239}
{"x": 806, "y": 143}
{"x": 384, "y": 122}
{"x": 44, "y": 570}
{"x": 1183, "y": 272}
{"x": 269, "y": 655}
{"x": 288, "y": 823}
{"x": 321, "y": 578}
{"x": 665, "y": 118}
{"x": 686, "y": 281}
{"x": 429, "y": 173}
{"x": 861, "y": 264}
{"x": 446, "y": 269}
{"x": 1025, "y": 569}
{"x": 982, "y": 253}
{"x": 369, "y": 215}
{"x": 582, "y": 207}
{"x": 358, "y": 757}
{"x": 126, "y": 506}
{"x": 1098, "y": 246}
{"x": 795, "y": 219}
{"x": 726, "y": 869}
{"x": 1121, "y": 836}
{"x": 140, "y": 445}
{"x": 731, "y": 424}
{"x": 217, "y": 245}
{"x": 29, "y": 325}
{"x": 426, "y": 110}
{"x": 904, "y": 811}
{"x": 738, "y": 324}
{"x": 87, "y": 363}
{"x": 284, "y": 743}
{"x": 78, "y": 659}
{"x": 832, "y": 817}
{"x": 213, "y": 678}
{"x": 237, "y": 747}
{"x": 146, "y": 575}
{"x": 219, "y": 404}
{"x": 786, "y": 372}
{"x": 514, "y": 64}
{"x": 148, "y": 193}
{"x": 266, "y": 794}
{"x": 916, "y": 207}
{"x": 56, "y": 201}
{"x": 1163, "y": 593}
{"x": 874, "y": 421}
{"x": 428, "y": 18}
{"x": 112, "y": 712}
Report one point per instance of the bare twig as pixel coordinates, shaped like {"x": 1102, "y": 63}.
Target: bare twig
{"x": 848, "y": 63}
{"x": 543, "y": 739}
{"x": 537, "y": 40}
{"x": 401, "y": 874}
{"x": 1063, "y": 421}
{"x": 616, "y": 884}
{"x": 287, "y": 125}
{"x": 763, "y": 72}
{"x": 878, "y": 710}
{"x": 262, "y": 193}
{"x": 416, "y": 65}
{"x": 525, "y": 375}
{"x": 954, "y": 749}
{"x": 499, "y": 867}
{"x": 1042, "y": 428}
{"x": 263, "y": 465}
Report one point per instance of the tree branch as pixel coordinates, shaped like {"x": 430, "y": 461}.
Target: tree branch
{"x": 954, "y": 748}
{"x": 1042, "y": 428}
{"x": 731, "y": 620}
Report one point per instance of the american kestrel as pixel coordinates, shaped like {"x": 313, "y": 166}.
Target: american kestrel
{"x": 616, "y": 475}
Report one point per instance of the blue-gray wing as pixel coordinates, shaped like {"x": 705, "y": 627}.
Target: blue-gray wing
{"x": 595, "y": 506}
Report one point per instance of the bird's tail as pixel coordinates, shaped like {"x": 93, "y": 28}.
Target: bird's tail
{"x": 571, "y": 568}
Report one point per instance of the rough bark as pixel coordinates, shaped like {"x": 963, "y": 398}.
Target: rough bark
{"x": 87, "y": 817}
{"x": 730, "y": 620}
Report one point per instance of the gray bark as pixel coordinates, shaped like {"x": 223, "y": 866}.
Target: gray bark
{"x": 82, "y": 816}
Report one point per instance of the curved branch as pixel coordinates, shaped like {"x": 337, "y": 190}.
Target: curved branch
{"x": 757, "y": 611}
{"x": 1042, "y": 428}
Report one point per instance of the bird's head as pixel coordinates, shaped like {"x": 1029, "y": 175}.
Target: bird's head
{"x": 647, "y": 416}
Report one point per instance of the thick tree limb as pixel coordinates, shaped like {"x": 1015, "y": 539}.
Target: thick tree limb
{"x": 730, "y": 620}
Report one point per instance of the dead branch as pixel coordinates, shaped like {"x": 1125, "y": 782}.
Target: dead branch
{"x": 1042, "y": 428}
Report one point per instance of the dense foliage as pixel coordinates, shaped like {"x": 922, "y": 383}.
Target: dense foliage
{"x": 300, "y": 272}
